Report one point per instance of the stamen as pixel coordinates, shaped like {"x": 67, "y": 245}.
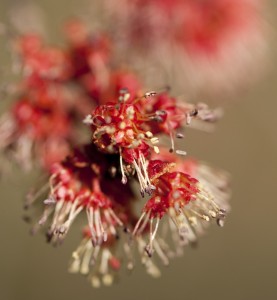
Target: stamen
{"x": 128, "y": 252}
{"x": 220, "y": 222}
{"x": 56, "y": 216}
{"x": 124, "y": 177}
{"x": 103, "y": 268}
{"x": 144, "y": 167}
{"x": 150, "y": 94}
{"x": 84, "y": 268}
{"x": 97, "y": 227}
{"x": 118, "y": 221}
{"x": 160, "y": 253}
{"x": 142, "y": 180}
{"x": 96, "y": 252}
{"x": 74, "y": 211}
{"x": 149, "y": 247}
{"x": 138, "y": 223}
{"x": 90, "y": 216}
{"x": 47, "y": 212}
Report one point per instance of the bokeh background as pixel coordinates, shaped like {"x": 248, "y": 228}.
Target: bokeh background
{"x": 236, "y": 262}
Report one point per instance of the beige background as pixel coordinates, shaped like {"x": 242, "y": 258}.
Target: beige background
{"x": 237, "y": 262}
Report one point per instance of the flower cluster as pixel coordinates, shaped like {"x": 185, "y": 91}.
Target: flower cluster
{"x": 58, "y": 87}
{"x": 212, "y": 45}
{"x": 98, "y": 180}
{"x": 39, "y": 121}
{"x": 127, "y": 150}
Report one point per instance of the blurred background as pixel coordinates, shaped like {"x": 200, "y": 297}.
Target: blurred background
{"x": 238, "y": 261}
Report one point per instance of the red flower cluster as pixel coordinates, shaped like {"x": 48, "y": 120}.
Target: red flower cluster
{"x": 127, "y": 127}
{"x": 209, "y": 44}
{"x": 93, "y": 179}
{"x": 96, "y": 182}
{"x": 40, "y": 121}
{"x": 57, "y": 89}
{"x": 76, "y": 185}
{"x": 198, "y": 26}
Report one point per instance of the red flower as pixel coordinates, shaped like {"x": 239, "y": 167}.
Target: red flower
{"x": 183, "y": 199}
{"x": 58, "y": 87}
{"x": 210, "y": 45}
{"x": 76, "y": 185}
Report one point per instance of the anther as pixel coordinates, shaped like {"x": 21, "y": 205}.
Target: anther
{"x": 150, "y": 94}
{"x": 161, "y": 112}
{"x": 157, "y": 119}
{"x": 88, "y": 120}
{"x": 179, "y": 136}
{"x": 220, "y": 222}
{"x": 149, "y": 134}
{"x": 154, "y": 140}
{"x": 124, "y": 179}
{"x": 148, "y": 250}
{"x": 206, "y": 218}
{"x": 181, "y": 152}
{"x": 50, "y": 201}
{"x": 222, "y": 212}
{"x": 156, "y": 149}
{"x": 212, "y": 213}
{"x": 124, "y": 95}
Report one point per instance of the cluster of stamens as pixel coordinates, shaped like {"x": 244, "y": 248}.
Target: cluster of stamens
{"x": 126, "y": 128}
{"x": 75, "y": 186}
{"x": 183, "y": 199}
{"x": 96, "y": 182}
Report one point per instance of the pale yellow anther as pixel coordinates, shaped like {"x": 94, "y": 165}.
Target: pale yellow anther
{"x": 95, "y": 282}
{"x": 141, "y": 136}
{"x": 107, "y": 279}
{"x": 149, "y": 134}
{"x": 212, "y": 213}
{"x": 130, "y": 112}
{"x": 206, "y": 218}
{"x": 74, "y": 266}
{"x": 193, "y": 221}
{"x": 154, "y": 140}
{"x": 110, "y": 129}
{"x": 126, "y": 97}
{"x": 122, "y": 125}
{"x": 156, "y": 149}
{"x": 75, "y": 255}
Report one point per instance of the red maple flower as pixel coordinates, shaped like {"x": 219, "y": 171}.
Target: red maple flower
{"x": 183, "y": 199}
{"x": 96, "y": 182}
{"x": 210, "y": 45}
